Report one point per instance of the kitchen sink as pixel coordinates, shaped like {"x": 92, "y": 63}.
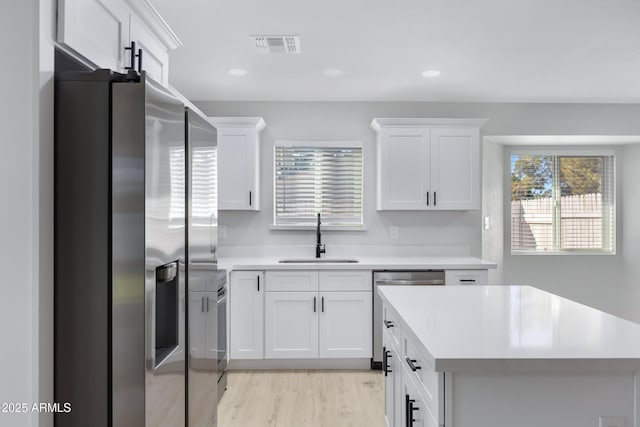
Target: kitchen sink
{"x": 318, "y": 261}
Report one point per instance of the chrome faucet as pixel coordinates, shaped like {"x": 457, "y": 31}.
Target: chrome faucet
{"x": 320, "y": 248}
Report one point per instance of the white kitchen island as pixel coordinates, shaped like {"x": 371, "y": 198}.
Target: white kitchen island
{"x": 506, "y": 356}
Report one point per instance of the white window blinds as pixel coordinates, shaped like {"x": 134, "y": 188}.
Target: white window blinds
{"x": 562, "y": 203}
{"x": 318, "y": 179}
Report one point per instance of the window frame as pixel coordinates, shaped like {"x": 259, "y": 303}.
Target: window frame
{"x": 322, "y": 144}
{"x": 568, "y": 152}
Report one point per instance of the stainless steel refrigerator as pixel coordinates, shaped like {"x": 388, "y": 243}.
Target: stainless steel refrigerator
{"x": 202, "y": 284}
{"x": 119, "y": 344}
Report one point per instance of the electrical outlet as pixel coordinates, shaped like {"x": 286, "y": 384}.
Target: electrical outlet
{"x": 222, "y": 232}
{"x": 394, "y": 232}
{"x": 486, "y": 223}
{"x": 612, "y": 421}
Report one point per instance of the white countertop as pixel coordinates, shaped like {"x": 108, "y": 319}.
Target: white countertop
{"x": 364, "y": 263}
{"x": 512, "y": 328}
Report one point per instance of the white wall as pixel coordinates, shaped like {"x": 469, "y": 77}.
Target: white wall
{"x": 599, "y": 281}
{"x": 630, "y": 245}
{"x": 595, "y": 280}
{"x": 492, "y": 202}
{"x": 26, "y": 164}
{"x": 18, "y": 255}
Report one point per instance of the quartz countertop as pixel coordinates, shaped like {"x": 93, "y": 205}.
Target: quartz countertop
{"x": 512, "y": 328}
{"x": 364, "y": 263}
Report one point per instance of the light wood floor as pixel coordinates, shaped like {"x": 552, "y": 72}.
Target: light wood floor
{"x": 302, "y": 398}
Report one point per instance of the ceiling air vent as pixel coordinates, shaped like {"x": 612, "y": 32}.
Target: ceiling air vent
{"x": 277, "y": 44}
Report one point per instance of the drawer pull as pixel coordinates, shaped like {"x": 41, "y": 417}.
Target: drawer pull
{"x": 411, "y": 362}
{"x": 409, "y": 408}
{"x": 388, "y": 324}
{"x": 386, "y": 354}
{"x": 468, "y": 280}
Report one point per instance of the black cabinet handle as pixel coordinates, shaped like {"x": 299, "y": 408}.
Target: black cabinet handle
{"x": 386, "y": 354}
{"x": 388, "y": 324}
{"x": 132, "y": 56}
{"x": 435, "y": 201}
{"x": 139, "y": 55}
{"x": 207, "y": 304}
{"x": 427, "y": 198}
{"x": 314, "y": 304}
{"x": 258, "y": 283}
{"x": 411, "y": 362}
{"x": 249, "y": 198}
{"x": 322, "y": 303}
{"x": 468, "y": 280}
{"x": 408, "y": 405}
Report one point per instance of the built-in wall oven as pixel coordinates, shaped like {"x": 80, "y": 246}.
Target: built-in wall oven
{"x": 396, "y": 278}
{"x": 222, "y": 332}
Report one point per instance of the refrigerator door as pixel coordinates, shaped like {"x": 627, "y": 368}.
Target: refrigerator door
{"x": 147, "y": 112}
{"x": 202, "y": 211}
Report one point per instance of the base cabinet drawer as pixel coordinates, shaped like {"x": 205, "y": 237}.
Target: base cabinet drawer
{"x": 466, "y": 277}
{"x": 416, "y": 411}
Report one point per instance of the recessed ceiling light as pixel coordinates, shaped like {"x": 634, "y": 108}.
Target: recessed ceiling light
{"x": 430, "y": 73}
{"x": 332, "y": 72}
{"x": 237, "y": 72}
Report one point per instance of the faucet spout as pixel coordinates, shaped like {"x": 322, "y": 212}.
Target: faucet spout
{"x": 320, "y": 248}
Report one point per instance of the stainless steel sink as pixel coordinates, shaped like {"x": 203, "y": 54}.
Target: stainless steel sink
{"x": 317, "y": 261}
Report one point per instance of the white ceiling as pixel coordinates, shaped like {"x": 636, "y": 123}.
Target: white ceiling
{"x": 489, "y": 50}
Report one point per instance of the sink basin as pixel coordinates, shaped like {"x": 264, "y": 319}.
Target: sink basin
{"x": 317, "y": 261}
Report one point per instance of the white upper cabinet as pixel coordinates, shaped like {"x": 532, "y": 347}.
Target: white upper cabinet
{"x": 403, "y": 168}
{"x": 238, "y": 162}
{"x": 428, "y": 164}
{"x": 95, "y": 29}
{"x": 100, "y": 30}
{"x": 455, "y": 176}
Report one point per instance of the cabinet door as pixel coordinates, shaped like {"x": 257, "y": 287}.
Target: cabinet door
{"x": 197, "y": 326}
{"x": 392, "y": 369}
{"x": 238, "y": 169}
{"x": 415, "y": 411}
{"x": 455, "y": 168}
{"x": 345, "y": 280}
{"x": 155, "y": 58}
{"x": 403, "y": 169}
{"x": 96, "y": 29}
{"x": 246, "y": 314}
{"x": 345, "y": 324}
{"x": 291, "y": 325}
{"x": 466, "y": 277}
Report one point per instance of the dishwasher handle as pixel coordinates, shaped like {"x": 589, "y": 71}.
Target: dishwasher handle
{"x": 410, "y": 282}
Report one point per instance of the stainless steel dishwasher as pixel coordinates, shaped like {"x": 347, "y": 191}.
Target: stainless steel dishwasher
{"x": 396, "y": 277}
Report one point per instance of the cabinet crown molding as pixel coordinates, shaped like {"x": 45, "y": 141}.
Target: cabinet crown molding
{"x": 222, "y": 122}
{"x": 156, "y": 23}
{"x": 378, "y": 123}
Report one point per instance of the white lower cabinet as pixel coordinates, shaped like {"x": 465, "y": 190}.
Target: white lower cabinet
{"x": 291, "y": 325}
{"x": 345, "y": 324}
{"x": 392, "y": 368}
{"x": 246, "y": 315}
{"x": 301, "y": 321}
{"x": 416, "y": 411}
{"x": 466, "y": 277}
{"x": 414, "y": 392}
{"x": 202, "y": 337}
